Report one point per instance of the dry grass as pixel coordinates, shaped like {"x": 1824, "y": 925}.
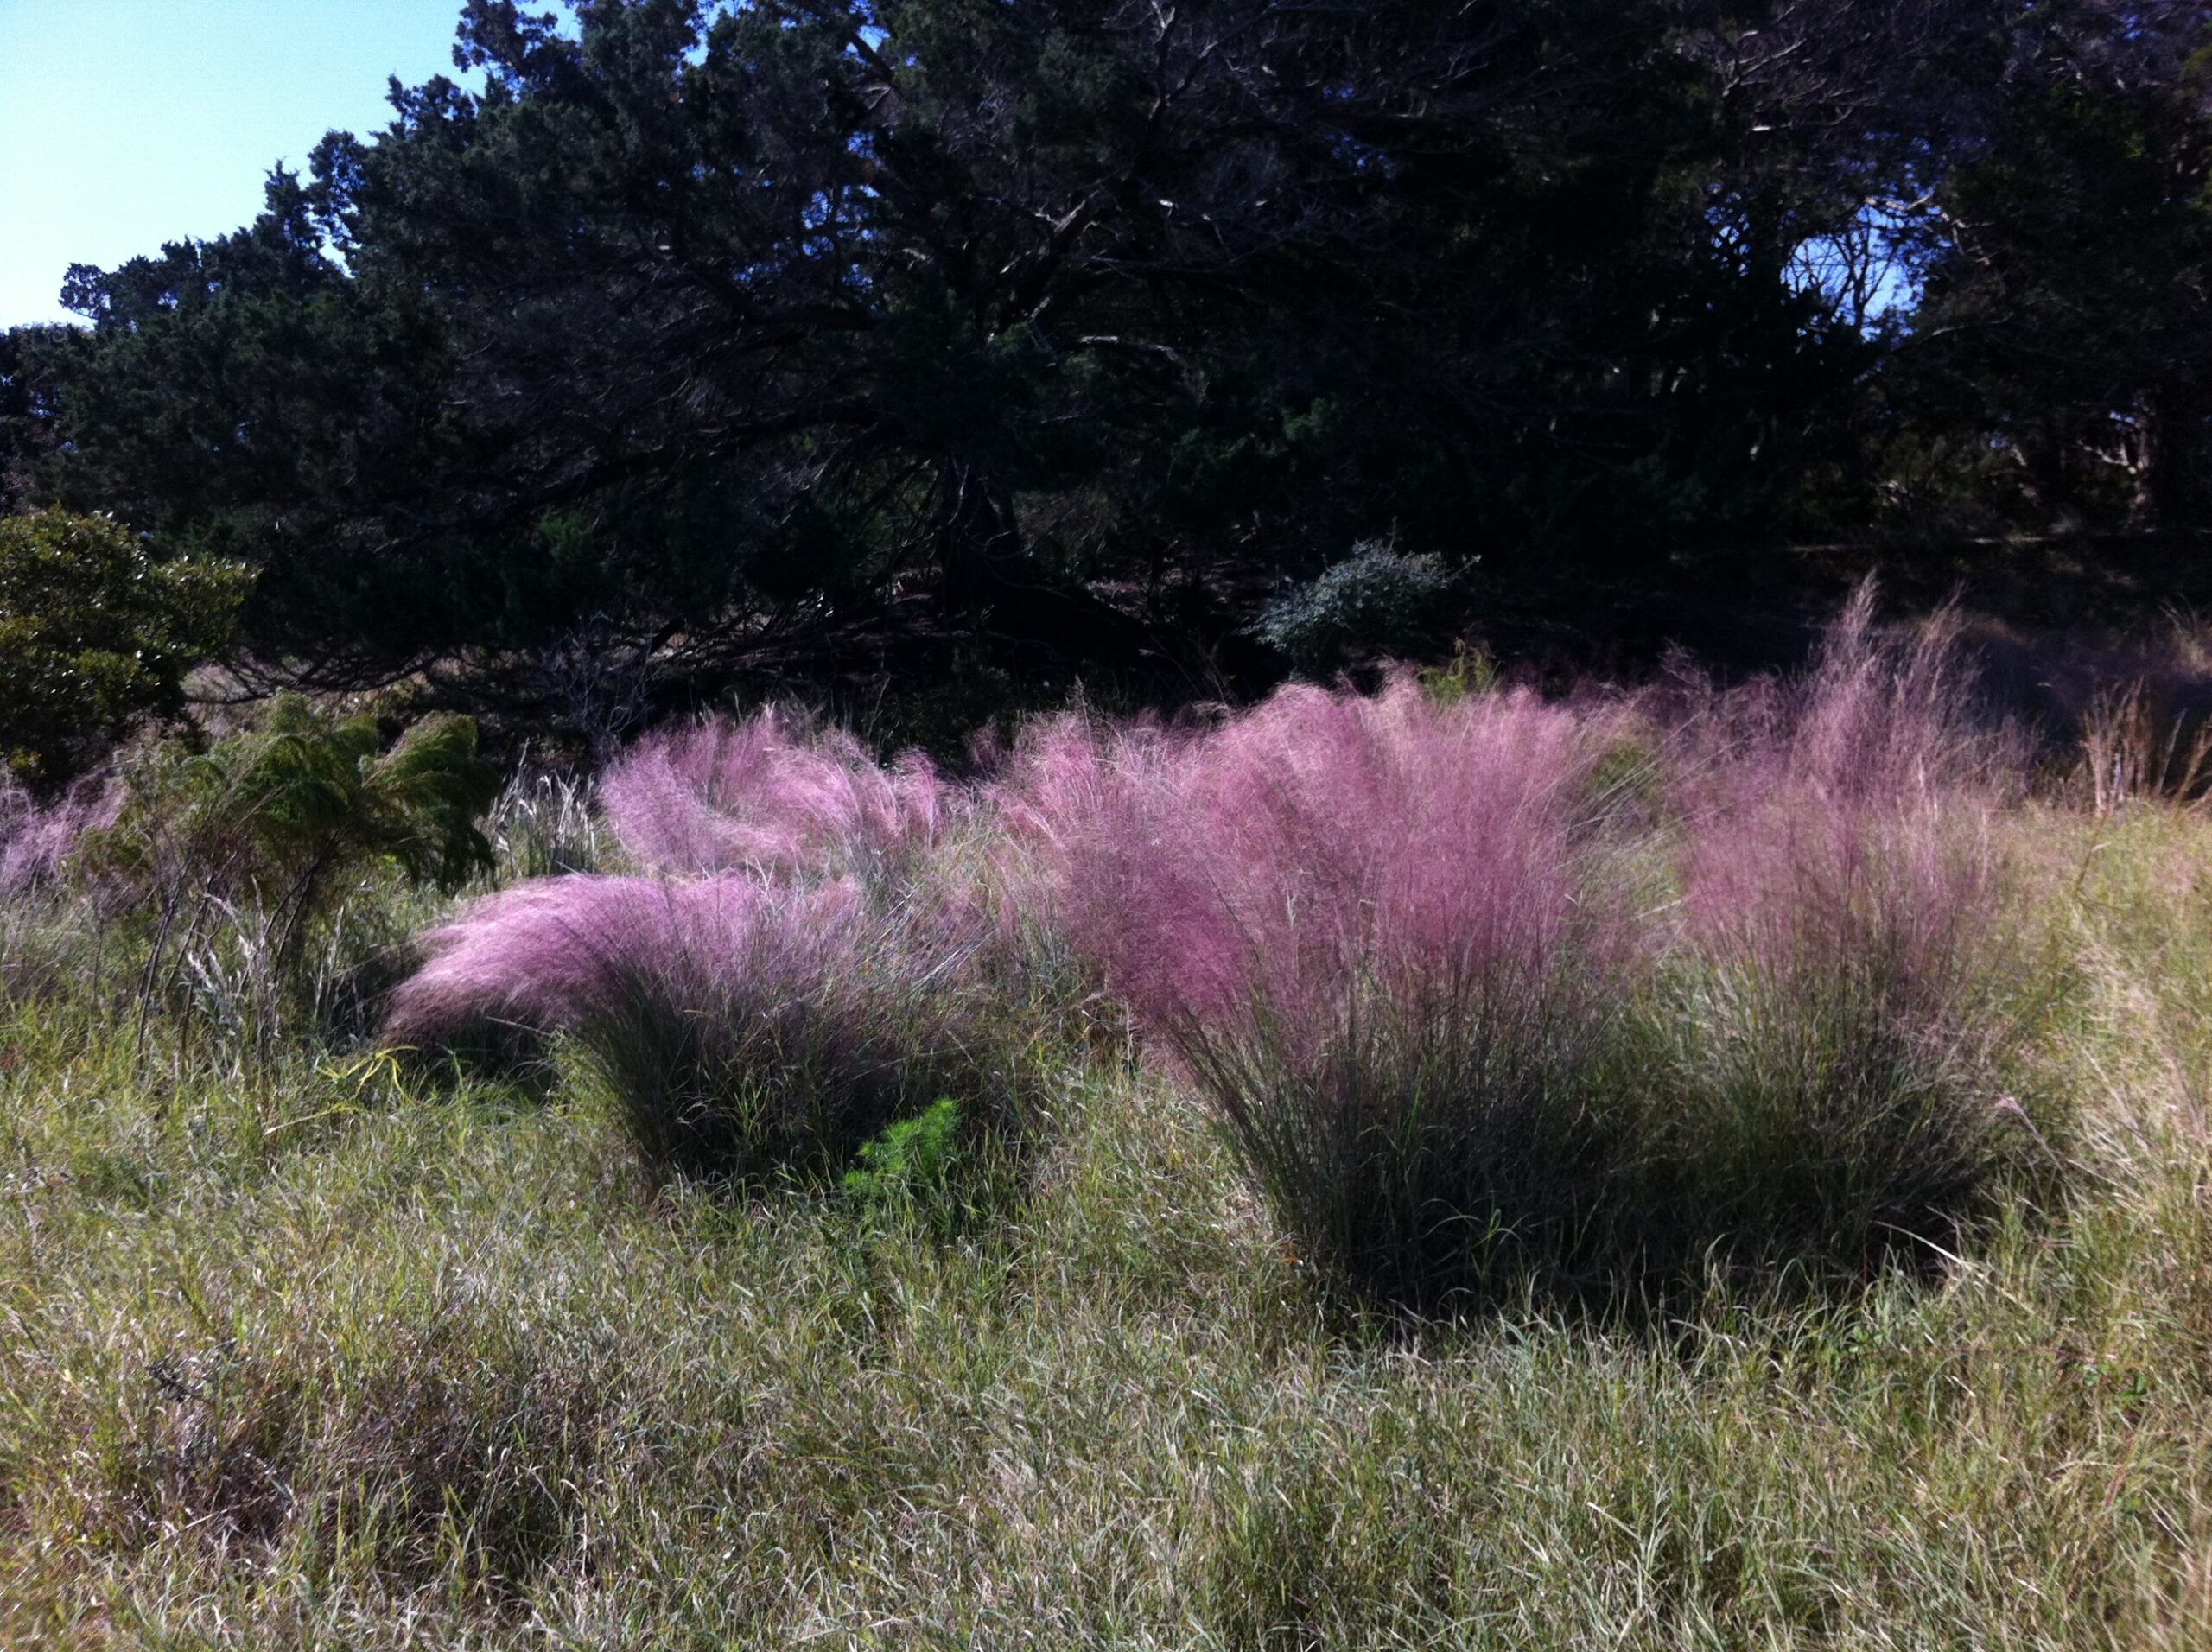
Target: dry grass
{"x": 320, "y": 1354}
{"x": 2140, "y": 742}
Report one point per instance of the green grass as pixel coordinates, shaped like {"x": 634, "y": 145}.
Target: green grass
{"x": 316, "y": 1351}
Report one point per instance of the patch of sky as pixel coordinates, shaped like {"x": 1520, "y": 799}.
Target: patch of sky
{"x": 125, "y": 124}
{"x": 1864, "y": 275}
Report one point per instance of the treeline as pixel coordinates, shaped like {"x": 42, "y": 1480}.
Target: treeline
{"x": 701, "y": 332}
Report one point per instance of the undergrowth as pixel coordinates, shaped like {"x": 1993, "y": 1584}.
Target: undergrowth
{"x": 351, "y": 1359}
{"x": 1240, "y": 1239}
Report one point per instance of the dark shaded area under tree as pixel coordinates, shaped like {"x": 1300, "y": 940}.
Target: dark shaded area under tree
{"x": 953, "y": 349}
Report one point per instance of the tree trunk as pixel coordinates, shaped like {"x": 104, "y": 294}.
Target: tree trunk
{"x": 1051, "y": 623}
{"x": 2159, "y": 479}
{"x": 2049, "y": 484}
{"x": 979, "y": 544}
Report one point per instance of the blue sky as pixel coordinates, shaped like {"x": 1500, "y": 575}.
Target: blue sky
{"x": 124, "y": 124}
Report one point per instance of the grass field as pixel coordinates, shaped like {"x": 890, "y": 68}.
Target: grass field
{"x": 302, "y": 1345}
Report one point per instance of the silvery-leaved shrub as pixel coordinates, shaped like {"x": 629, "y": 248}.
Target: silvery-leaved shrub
{"x": 1376, "y": 603}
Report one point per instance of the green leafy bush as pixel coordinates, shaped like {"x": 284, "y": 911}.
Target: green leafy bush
{"x": 95, "y": 635}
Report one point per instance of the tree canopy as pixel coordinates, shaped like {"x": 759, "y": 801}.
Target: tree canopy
{"x": 701, "y": 325}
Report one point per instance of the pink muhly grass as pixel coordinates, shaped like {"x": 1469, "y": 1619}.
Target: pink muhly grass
{"x": 1878, "y": 721}
{"x": 1317, "y": 838}
{"x": 1847, "y": 817}
{"x": 1836, "y": 1029}
{"x": 1838, "y": 1035}
{"x": 1410, "y": 954}
{"x": 37, "y": 841}
{"x": 541, "y": 956}
{"x": 772, "y": 794}
{"x": 741, "y": 1026}
{"x": 1367, "y": 930}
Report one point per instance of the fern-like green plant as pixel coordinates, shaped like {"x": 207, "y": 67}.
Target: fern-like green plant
{"x": 287, "y": 815}
{"x": 911, "y": 1163}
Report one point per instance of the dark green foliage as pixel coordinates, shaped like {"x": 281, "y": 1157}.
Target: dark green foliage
{"x": 27, "y": 410}
{"x": 719, "y": 322}
{"x": 711, "y": 332}
{"x": 2057, "y": 374}
{"x": 96, "y": 635}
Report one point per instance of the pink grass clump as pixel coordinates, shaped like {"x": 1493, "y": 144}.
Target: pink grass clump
{"x": 1619, "y": 990}
{"x": 1611, "y": 989}
{"x": 37, "y": 841}
{"x": 743, "y": 1027}
{"x": 1876, "y": 722}
{"x": 547, "y": 955}
{"x": 770, "y": 795}
{"x": 1843, "y": 947}
{"x": 1367, "y": 931}
{"x": 1847, "y": 811}
{"x": 1841, "y": 1013}
{"x": 794, "y": 976}
{"x": 1319, "y": 841}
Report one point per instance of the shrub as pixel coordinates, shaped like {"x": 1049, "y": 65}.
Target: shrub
{"x": 95, "y": 635}
{"x": 741, "y": 1027}
{"x": 1375, "y": 603}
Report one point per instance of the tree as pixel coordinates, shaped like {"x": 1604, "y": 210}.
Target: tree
{"x": 96, "y": 635}
{"x": 27, "y": 412}
{"x": 699, "y": 322}
{"x": 2067, "y": 322}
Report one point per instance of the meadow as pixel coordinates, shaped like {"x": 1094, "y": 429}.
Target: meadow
{"x": 1443, "y": 1167}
